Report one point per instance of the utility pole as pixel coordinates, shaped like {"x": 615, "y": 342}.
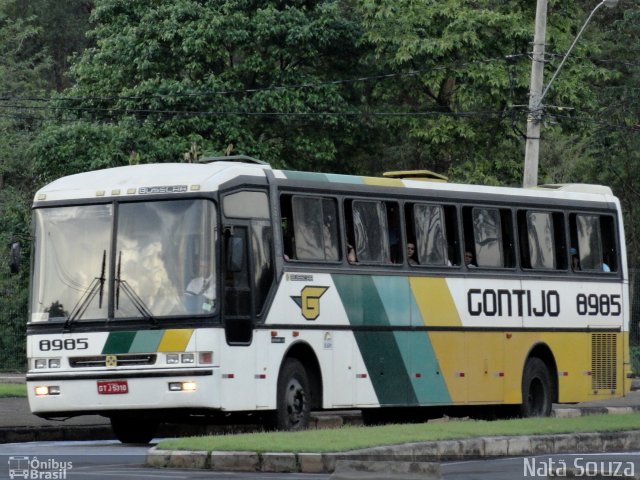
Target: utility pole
{"x": 534, "y": 118}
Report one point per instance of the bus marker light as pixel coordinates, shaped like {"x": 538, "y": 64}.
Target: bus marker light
{"x": 175, "y": 386}
{"x": 188, "y": 358}
{"x": 361, "y": 375}
{"x": 418, "y": 375}
{"x": 274, "y": 333}
{"x": 54, "y": 363}
{"x": 260, "y": 376}
{"x": 500, "y": 374}
{"x": 296, "y": 334}
{"x": 588, "y": 373}
{"x": 205, "y": 358}
{"x": 461, "y": 374}
{"x": 563, "y": 374}
{"x": 172, "y": 358}
{"x": 40, "y": 363}
{"x": 228, "y": 375}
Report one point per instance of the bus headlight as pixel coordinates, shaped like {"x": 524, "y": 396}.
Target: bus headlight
{"x": 182, "y": 386}
{"x": 42, "y": 391}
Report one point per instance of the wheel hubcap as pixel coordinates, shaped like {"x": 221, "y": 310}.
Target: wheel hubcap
{"x": 536, "y": 397}
{"x": 296, "y": 402}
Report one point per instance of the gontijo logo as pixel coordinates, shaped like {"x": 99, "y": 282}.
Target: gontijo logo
{"x": 309, "y": 301}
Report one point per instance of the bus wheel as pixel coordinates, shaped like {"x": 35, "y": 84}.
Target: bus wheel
{"x": 537, "y": 389}
{"x": 133, "y": 430}
{"x": 294, "y": 400}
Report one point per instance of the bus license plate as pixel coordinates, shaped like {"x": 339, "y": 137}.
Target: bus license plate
{"x": 113, "y": 387}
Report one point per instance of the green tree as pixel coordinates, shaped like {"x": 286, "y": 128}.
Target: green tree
{"x": 21, "y": 75}
{"x": 467, "y": 80}
{"x": 223, "y": 75}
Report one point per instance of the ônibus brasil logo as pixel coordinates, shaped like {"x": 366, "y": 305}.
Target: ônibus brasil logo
{"x": 35, "y": 469}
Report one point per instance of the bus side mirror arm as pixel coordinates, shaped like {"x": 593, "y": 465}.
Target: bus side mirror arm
{"x": 14, "y": 258}
{"x": 235, "y": 253}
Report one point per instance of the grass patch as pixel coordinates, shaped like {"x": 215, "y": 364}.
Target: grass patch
{"x": 352, "y": 438}
{"x": 13, "y": 390}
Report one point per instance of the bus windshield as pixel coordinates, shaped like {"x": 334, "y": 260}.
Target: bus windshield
{"x": 161, "y": 263}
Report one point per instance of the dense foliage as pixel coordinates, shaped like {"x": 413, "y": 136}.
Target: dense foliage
{"x": 350, "y": 86}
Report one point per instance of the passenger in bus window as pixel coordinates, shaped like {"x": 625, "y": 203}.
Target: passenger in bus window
{"x": 201, "y": 291}
{"x": 351, "y": 254}
{"x": 468, "y": 259}
{"x": 575, "y": 260}
{"x": 411, "y": 254}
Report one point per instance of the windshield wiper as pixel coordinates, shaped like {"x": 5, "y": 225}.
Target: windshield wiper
{"x": 95, "y": 287}
{"x": 132, "y": 295}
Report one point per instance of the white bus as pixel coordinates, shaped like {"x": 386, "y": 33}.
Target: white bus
{"x": 166, "y": 291}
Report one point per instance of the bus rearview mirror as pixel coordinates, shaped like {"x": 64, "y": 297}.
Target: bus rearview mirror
{"x": 14, "y": 257}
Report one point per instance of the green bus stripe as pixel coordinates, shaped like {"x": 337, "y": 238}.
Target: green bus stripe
{"x": 379, "y": 350}
{"x": 146, "y": 341}
{"x": 415, "y": 347}
{"x": 118, "y": 342}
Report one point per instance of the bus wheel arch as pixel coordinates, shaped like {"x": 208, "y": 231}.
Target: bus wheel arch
{"x": 299, "y": 388}
{"x": 539, "y": 382}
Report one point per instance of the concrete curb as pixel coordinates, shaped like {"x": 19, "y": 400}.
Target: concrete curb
{"x": 421, "y": 452}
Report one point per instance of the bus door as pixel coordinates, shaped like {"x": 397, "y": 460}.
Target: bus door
{"x": 247, "y": 280}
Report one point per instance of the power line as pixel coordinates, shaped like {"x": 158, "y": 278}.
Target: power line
{"x": 247, "y": 91}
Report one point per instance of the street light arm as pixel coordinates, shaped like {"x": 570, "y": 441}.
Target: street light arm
{"x": 566, "y": 55}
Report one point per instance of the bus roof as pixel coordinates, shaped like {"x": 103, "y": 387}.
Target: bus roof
{"x": 170, "y": 178}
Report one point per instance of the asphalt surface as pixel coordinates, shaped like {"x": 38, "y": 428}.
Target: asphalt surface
{"x": 18, "y": 424}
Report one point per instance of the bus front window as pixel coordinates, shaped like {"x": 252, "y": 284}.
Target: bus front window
{"x": 165, "y": 262}
{"x": 71, "y": 262}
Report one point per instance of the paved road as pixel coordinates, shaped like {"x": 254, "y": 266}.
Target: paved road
{"x": 107, "y": 460}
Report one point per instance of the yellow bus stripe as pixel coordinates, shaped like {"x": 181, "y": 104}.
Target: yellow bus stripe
{"x": 175, "y": 340}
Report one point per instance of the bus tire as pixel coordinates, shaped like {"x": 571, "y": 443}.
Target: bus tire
{"x": 133, "y": 430}
{"x": 537, "y": 389}
{"x": 293, "y": 408}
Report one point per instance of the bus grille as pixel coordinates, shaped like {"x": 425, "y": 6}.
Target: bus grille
{"x": 122, "y": 360}
{"x": 603, "y": 361}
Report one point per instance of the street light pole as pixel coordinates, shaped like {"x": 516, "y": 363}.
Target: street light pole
{"x": 534, "y": 118}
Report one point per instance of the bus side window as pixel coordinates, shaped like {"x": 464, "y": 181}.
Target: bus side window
{"x": 368, "y": 231}
{"x": 593, "y": 239}
{"x": 542, "y": 244}
{"x": 609, "y": 243}
{"x": 315, "y": 228}
{"x": 427, "y": 223}
{"x": 396, "y": 252}
{"x": 489, "y": 236}
{"x": 286, "y": 223}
